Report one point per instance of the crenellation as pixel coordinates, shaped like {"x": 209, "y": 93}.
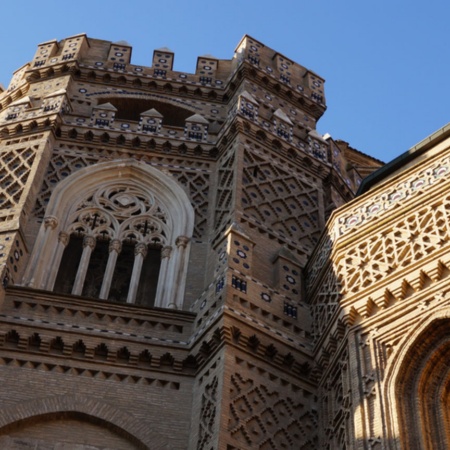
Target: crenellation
{"x": 119, "y": 56}
{"x": 74, "y": 46}
{"x": 17, "y": 81}
{"x": 45, "y": 52}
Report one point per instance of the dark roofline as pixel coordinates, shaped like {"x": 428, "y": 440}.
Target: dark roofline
{"x": 406, "y": 157}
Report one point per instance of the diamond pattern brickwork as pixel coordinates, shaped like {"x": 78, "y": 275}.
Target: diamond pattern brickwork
{"x": 336, "y": 410}
{"x": 208, "y": 414}
{"x": 14, "y": 173}
{"x": 225, "y": 188}
{"x": 281, "y": 201}
{"x": 326, "y": 303}
{"x": 195, "y": 180}
{"x": 263, "y": 418}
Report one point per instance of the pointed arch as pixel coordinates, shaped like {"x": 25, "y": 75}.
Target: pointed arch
{"x": 417, "y": 387}
{"x": 89, "y": 409}
{"x": 120, "y": 139}
{"x": 162, "y": 216}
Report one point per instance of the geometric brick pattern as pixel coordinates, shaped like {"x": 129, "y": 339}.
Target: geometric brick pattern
{"x": 197, "y": 186}
{"x": 280, "y": 201}
{"x": 389, "y": 200}
{"x": 60, "y": 167}
{"x": 335, "y": 402}
{"x": 30, "y": 363}
{"x": 225, "y": 190}
{"x": 16, "y": 165}
{"x": 256, "y": 413}
{"x": 415, "y": 184}
{"x": 208, "y": 414}
{"x": 326, "y": 302}
{"x": 409, "y": 239}
{"x": 195, "y": 182}
{"x": 99, "y": 352}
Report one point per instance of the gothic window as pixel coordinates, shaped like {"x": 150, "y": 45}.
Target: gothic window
{"x": 114, "y": 249}
{"x": 115, "y": 231}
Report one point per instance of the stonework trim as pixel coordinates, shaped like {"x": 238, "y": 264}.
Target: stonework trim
{"x": 137, "y": 431}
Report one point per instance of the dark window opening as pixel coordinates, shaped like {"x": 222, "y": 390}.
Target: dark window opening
{"x": 132, "y": 108}
{"x": 123, "y": 270}
{"x": 149, "y": 278}
{"x": 69, "y": 265}
{"x": 150, "y": 128}
{"x": 102, "y": 122}
{"x": 195, "y": 135}
{"x": 122, "y": 274}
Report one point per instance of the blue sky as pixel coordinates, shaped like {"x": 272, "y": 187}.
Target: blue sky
{"x": 385, "y": 63}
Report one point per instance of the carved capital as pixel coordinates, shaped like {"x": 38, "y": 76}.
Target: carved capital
{"x": 182, "y": 241}
{"x": 50, "y": 222}
{"x": 166, "y": 252}
{"x": 140, "y": 249}
{"x": 63, "y": 237}
{"x": 115, "y": 245}
{"x": 89, "y": 241}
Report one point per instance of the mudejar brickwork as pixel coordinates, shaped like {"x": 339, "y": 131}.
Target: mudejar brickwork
{"x": 187, "y": 264}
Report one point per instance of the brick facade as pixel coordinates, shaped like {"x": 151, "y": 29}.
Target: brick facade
{"x": 186, "y": 263}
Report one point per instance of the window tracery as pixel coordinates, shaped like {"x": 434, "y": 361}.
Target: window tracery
{"x": 124, "y": 237}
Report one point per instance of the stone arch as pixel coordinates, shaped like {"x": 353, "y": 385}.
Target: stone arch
{"x": 144, "y": 435}
{"x": 417, "y": 388}
{"x": 177, "y": 229}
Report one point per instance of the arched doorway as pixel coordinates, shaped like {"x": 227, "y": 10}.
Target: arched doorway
{"x": 64, "y": 431}
{"x": 420, "y": 386}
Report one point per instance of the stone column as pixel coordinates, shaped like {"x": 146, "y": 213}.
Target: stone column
{"x": 34, "y": 276}
{"x": 140, "y": 252}
{"x": 180, "y": 272}
{"x": 161, "y": 288}
{"x": 115, "y": 247}
{"x": 88, "y": 245}
{"x": 63, "y": 240}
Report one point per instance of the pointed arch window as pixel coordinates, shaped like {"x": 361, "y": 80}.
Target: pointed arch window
{"x": 114, "y": 249}
{"x": 117, "y": 231}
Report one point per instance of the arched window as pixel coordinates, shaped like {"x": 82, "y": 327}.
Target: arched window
{"x": 418, "y": 385}
{"x": 118, "y": 231}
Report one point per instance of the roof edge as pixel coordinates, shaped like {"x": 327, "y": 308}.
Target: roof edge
{"x": 415, "y": 151}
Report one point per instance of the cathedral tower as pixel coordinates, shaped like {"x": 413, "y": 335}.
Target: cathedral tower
{"x": 155, "y": 230}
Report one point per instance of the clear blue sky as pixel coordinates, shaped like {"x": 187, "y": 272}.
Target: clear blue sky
{"x": 386, "y": 63}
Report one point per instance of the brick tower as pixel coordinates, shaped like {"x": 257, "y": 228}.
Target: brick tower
{"x": 155, "y": 227}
